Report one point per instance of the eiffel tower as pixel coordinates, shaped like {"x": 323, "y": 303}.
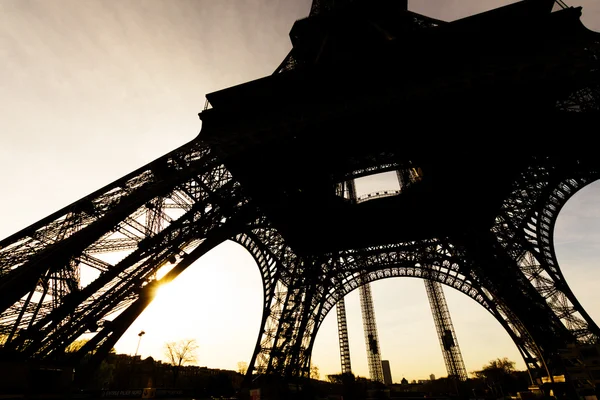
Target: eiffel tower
{"x": 485, "y": 120}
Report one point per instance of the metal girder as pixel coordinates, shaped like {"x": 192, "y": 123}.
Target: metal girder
{"x": 342, "y": 324}
{"x": 529, "y": 216}
{"x": 366, "y": 265}
{"x": 371, "y": 336}
{"x": 298, "y": 292}
{"x": 47, "y": 323}
{"x": 445, "y": 329}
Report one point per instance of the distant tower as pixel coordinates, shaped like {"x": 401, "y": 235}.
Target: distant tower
{"x": 432, "y": 377}
{"x": 387, "y": 372}
{"x": 441, "y": 316}
{"x": 371, "y": 339}
{"x": 343, "y": 336}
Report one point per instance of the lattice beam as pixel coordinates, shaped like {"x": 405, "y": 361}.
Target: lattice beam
{"x": 445, "y": 330}
{"x": 371, "y": 336}
{"x": 342, "y": 324}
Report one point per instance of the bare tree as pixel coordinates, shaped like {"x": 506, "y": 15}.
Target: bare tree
{"x": 180, "y": 353}
{"x": 242, "y": 367}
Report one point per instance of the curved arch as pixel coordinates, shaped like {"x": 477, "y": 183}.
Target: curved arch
{"x": 345, "y": 271}
{"x": 269, "y": 267}
{"x": 435, "y": 263}
{"x": 527, "y": 220}
{"x": 514, "y": 328}
{"x": 430, "y": 259}
{"x": 278, "y": 264}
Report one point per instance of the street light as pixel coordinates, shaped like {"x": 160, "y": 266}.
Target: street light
{"x": 142, "y": 333}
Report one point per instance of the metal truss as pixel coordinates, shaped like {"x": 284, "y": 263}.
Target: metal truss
{"x": 439, "y": 265}
{"x": 285, "y": 337}
{"x": 371, "y": 337}
{"x": 156, "y": 219}
{"x": 445, "y": 329}
{"x": 172, "y": 211}
{"x": 525, "y": 228}
{"x": 201, "y": 206}
{"x": 282, "y": 330}
{"x": 277, "y": 350}
{"x": 342, "y": 324}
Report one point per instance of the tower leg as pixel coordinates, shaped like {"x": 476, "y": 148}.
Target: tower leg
{"x": 372, "y": 341}
{"x": 443, "y": 324}
{"x": 343, "y": 336}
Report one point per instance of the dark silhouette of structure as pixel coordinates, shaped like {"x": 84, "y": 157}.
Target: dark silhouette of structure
{"x": 371, "y": 337}
{"x": 443, "y": 323}
{"x": 340, "y": 309}
{"x": 484, "y": 118}
{"x": 445, "y": 329}
{"x": 441, "y": 315}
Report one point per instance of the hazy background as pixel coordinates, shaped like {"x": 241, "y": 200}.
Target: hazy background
{"x": 91, "y": 90}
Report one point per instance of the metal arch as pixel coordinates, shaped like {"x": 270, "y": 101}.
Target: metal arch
{"x": 283, "y": 313}
{"x": 270, "y": 268}
{"x": 526, "y": 345}
{"x": 412, "y": 271}
{"x": 542, "y": 193}
{"x": 582, "y": 325}
{"x": 404, "y": 259}
{"x": 447, "y": 272}
{"x": 268, "y": 265}
{"x": 286, "y": 313}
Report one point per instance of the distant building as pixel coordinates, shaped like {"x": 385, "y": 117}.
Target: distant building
{"x": 387, "y": 372}
{"x": 432, "y": 377}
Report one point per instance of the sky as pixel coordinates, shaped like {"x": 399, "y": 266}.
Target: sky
{"x": 91, "y": 90}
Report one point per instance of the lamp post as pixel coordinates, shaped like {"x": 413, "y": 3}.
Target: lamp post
{"x": 142, "y": 333}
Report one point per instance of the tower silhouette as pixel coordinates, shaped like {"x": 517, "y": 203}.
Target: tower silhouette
{"x": 472, "y": 113}
{"x": 371, "y": 336}
{"x": 445, "y": 329}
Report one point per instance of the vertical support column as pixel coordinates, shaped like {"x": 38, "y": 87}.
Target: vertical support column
{"x": 371, "y": 339}
{"x": 343, "y": 336}
{"x": 443, "y": 323}
{"x": 351, "y": 188}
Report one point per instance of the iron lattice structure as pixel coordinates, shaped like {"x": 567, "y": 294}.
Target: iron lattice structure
{"x": 445, "y": 330}
{"x": 340, "y": 308}
{"x": 474, "y": 106}
{"x": 371, "y": 337}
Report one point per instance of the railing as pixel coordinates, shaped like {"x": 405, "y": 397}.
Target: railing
{"x": 377, "y": 195}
